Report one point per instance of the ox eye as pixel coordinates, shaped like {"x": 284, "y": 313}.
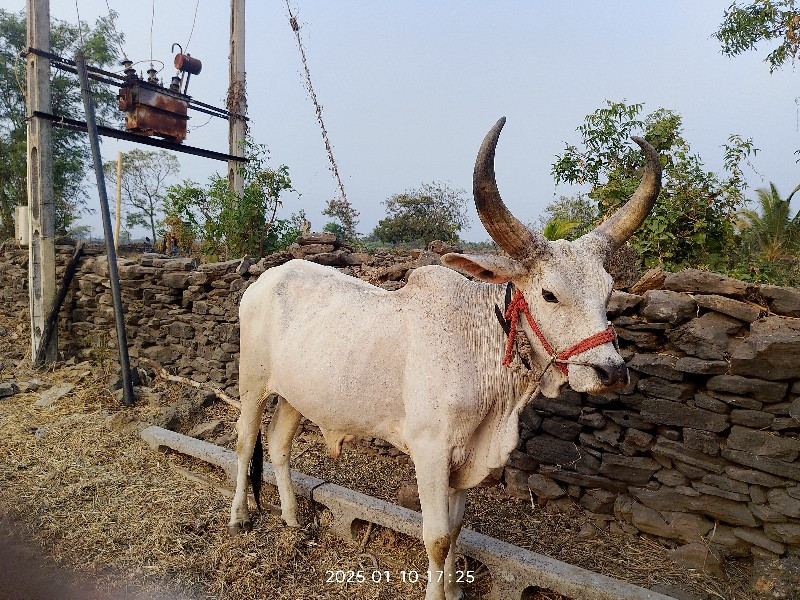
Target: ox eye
{"x": 549, "y": 296}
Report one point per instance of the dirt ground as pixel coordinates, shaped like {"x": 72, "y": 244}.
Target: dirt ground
{"x": 83, "y": 496}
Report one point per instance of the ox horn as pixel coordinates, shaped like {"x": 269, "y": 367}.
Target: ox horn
{"x": 621, "y": 225}
{"x": 509, "y": 233}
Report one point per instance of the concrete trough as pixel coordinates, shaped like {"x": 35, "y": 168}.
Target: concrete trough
{"x": 514, "y": 570}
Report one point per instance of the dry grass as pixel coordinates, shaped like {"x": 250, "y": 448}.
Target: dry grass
{"x": 79, "y": 482}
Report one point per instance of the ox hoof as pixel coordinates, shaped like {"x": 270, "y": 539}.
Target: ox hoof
{"x": 455, "y": 593}
{"x": 239, "y": 527}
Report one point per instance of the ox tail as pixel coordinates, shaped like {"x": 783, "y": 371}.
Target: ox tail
{"x": 256, "y": 469}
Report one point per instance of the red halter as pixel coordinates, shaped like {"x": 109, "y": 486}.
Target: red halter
{"x": 560, "y": 359}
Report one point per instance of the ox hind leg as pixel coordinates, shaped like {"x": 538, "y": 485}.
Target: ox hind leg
{"x": 249, "y": 428}
{"x": 280, "y": 433}
{"x": 432, "y": 481}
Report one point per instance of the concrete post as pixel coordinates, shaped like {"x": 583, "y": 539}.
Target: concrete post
{"x": 237, "y": 99}
{"x": 41, "y": 247}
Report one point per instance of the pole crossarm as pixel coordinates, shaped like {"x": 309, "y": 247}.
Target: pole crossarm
{"x": 75, "y": 125}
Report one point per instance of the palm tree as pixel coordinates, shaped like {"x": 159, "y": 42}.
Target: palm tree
{"x": 772, "y": 231}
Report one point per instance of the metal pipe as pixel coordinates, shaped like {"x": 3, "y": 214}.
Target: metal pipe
{"x": 113, "y": 273}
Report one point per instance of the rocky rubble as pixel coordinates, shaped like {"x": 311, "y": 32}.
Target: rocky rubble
{"x": 700, "y": 449}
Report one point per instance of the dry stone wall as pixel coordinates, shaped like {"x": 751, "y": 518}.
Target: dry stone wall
{"x": 701, "y": 447}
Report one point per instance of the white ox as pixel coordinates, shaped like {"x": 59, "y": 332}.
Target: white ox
{"x": 421, "y": 367}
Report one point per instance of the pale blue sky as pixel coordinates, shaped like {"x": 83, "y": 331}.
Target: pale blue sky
{"x": 410, "y": 88}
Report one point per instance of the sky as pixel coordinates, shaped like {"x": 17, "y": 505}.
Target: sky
{"x": 410, "y": 88}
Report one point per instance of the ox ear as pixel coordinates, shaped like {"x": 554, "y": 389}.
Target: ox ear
{"x": 486, "y": 267}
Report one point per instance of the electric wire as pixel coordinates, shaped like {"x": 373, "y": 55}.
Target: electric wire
{"x": 310, "y": 86}
{"x": 152, "y": 19}
{"x": 194, "y": 19}
{"x": 80, "y": 29}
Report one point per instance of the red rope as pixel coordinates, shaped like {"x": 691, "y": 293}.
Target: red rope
{"x": 519, "y": 305}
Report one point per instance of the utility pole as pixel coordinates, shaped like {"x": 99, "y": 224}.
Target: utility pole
{"x": 237, "y": 99}
{"x": 41, "y": 246}
{"x": 119, "y": 200}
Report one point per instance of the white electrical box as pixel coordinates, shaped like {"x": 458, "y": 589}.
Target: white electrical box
{"x": 21, "y": 227}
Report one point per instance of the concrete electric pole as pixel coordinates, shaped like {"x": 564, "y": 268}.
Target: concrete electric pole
{"x": 41, "y": 247}
{"x": 237, "y": 99}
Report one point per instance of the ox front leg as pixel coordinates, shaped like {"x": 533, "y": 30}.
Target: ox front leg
{"x": 458, "y": 499}
{"x": 280, "y": 433}
{"x": 432, "y": 481}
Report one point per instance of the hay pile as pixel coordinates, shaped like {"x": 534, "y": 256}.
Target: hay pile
{"x": 78, "y": 480}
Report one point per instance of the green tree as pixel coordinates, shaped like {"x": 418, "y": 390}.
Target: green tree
{"x": 745, "y": 25}
{"x": 693, "y": 221}
{"x": 568, "y": 217}
{"x": 771, "y": 231}
{"x": 233, "y": 225}
{"x": 71, "y": 155}
{"x": 144, "y": 184}
{"x": 433, "y": 212}
{"x": 345, "y": 219}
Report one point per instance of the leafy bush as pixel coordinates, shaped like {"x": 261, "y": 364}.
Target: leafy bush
{"x": 229, "y": 224}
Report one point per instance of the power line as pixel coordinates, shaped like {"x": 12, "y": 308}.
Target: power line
{"x": 197, "y": 4}
{"x": 310, "y": 86}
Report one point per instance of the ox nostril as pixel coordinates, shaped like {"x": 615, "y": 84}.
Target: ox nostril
{"x": 610, "y": 375}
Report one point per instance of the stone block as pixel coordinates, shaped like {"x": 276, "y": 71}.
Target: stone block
{"x": 782, "y": 502}
{"x": 598, "y": 501}
{"x": 764, "y": 513}
{"x": 544, "y": 487}
{"x": 668, "y": 306}
{"x": 699, "y": 557}
{"x": 744, "y": 402}
{"x": 704, "y": 282}
{"x": 788, "y": 533}
{"x": 782, "y": 300}
{"x": 763, "y": 443}
{"x": 757, "y": 538}
{"x": 704, "y": 441}
{"x": 650, "y": 521}
{"x": 666, "y": 498}
{"x": 687, "y": 527}
{"x": 636, "y": 470}
{"x": 662, "y": 388}
{"x": 760, "y": 389}
{"x": 729, "y": 511}
{"x": 751, "y": 418}
{"x": 772, "y": 351}
{"x": 660, "y": 365}
{"x": 690, "y": 364}
{"x": 678, "y": 451}
{"x": 671, "y": 477}
{"x": 715, "y": 491}
{"x": 763, "y": 463}
{"x": 743, "y": 311}
{"x": 175, "y": 279}
{"x": 622, "y": 302}
{"x": 550, "y": 450}
{"x": 636, "y": 441}
{"x": 726, "y": 483}
{"x": 583, "y": 480}
{"x": 707, "y": 336}
{"x": 561, "y": 428}
{"x": 665, "y": 412}
{"x": 707, "y": 402}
